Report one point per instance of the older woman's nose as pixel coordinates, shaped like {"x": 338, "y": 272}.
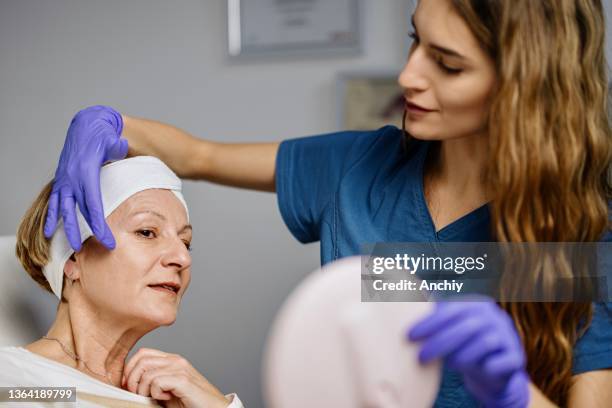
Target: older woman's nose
{"x": 413, "y": 76}
{"x": 176, "y": 255}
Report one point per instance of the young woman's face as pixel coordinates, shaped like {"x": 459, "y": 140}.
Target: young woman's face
{"x": 447, "y": 73}
{"x": 124, "y": 284}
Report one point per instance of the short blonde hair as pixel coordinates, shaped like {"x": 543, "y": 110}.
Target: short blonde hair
{"x": 32, "y": 248}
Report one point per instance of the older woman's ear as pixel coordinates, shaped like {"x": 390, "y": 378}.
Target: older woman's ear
{"x": 71, "y": 273}
{"x": 71, "y": 268}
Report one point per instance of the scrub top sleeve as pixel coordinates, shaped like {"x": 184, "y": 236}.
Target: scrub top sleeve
{"x": 308, "y": 173}
{"x": 593, "y": 351}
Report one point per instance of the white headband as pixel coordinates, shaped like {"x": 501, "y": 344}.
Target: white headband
{"x": 118, "y": 181}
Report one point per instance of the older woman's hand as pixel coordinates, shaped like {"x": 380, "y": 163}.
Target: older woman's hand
{"x": 171, "y": 378}
{"x": 479, "y": 340}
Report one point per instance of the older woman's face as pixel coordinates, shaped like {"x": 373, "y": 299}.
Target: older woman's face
{"x": 145, "y": 276}
{"x": 447, "y": 73}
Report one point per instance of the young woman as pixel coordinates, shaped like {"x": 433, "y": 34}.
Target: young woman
{"x": 506, "y": 139}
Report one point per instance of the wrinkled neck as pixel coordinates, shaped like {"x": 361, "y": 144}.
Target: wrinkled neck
{"x": 101, "y": 342}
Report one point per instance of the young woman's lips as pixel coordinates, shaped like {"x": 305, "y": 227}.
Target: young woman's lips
{"x": 415, "y": 109}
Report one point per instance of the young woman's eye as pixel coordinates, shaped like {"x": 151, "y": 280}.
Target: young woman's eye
{"x": 446, "y": 68}
{"x": 147, "y": 233}
{"x": 414, "y": 37}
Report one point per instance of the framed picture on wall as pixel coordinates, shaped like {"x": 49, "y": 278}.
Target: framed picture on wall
{"x": 369, "y": 99}
{"x": 293, "y": 27}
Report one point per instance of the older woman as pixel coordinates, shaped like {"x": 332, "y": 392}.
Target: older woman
{"x": 109, "y": 300}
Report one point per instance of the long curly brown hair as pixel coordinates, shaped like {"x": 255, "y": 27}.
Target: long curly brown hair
{"x": 550, "y": 146}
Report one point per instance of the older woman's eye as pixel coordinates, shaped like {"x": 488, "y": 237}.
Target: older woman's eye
{"x": 188, "y": 246}
{"x": 146, "y": 233}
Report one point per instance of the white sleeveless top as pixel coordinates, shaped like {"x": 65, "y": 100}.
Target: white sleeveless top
{"x": 20, "y": 367}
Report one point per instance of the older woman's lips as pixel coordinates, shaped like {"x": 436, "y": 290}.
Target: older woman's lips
{"x": 169, "y": 289}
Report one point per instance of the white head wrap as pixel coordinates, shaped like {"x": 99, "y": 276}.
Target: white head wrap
{"x": 118, "y": 181}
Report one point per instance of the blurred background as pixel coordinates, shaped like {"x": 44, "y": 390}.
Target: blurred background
{"x": 169, "y": 61}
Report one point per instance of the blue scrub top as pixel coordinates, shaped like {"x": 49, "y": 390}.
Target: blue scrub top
{"x": 352, "y": 188}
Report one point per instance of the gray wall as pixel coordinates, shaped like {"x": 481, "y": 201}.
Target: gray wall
{"x": 155, "y": 59}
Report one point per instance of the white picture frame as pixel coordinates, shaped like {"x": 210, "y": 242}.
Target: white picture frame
{"x": 293, "y": 27}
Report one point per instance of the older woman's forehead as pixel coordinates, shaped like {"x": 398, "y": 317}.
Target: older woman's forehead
{"x": 153, "y": 201}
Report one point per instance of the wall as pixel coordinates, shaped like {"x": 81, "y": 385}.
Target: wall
{"x": 156, "y": 59}
{"x": 167, "y": 61}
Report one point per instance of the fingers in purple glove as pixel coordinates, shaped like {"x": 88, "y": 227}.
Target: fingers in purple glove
{"x": 52, "y": 215}
{"x": 512, "y": 392}
{"x": 480, "y": 341}
{"x": 118, "y": 150}
{"x": 504, "y": 363}
{"x": 427, "y": 326}
{"x": 114, "y": 118}
{"x": 94, "y": 213}
{"x": 444, "y": 314}
{"x": 451, "y": 337}
{"x": 108, "y": 240}
{"x": 489, "y": 342}
{"x": 93, "y": 138}
{"x": 71, "y": 226}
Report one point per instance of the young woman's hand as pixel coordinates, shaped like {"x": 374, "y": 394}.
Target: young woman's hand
{"x": 479, "y": 340}
{"x": 93, "y": 138}
{"x": 170, "y": 378}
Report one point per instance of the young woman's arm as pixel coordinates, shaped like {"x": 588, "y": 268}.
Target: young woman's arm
{"x": 537, "y": 399}
{"x": 245, "y": 165}
{"x": 99, "y": 134}
{"x": 592, "y": 389}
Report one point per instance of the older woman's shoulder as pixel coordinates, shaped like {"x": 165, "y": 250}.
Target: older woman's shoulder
{"x": 21, "y": 367}
{"x": 13, "y": 353}
{"x": 16, "y": 365}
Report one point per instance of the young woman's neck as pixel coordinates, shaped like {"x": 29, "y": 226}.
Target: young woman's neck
{"x": 457, "y": 166}
{"x": 453, "y": 180}
{"x": 101, "y": 343}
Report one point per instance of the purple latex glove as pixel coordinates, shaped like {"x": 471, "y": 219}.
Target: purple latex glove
{"x": 93, "y": 138}
{"x": 479, "y": 340}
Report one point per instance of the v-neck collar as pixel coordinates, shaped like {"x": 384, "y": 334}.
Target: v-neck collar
{"x": 460, "y": 224}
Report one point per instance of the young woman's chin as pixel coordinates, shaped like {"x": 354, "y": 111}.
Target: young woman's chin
{"x": 422, "y": 133}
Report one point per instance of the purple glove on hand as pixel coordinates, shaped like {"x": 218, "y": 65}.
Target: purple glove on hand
{"x": 93, "y": 138}
{"x": 479, "y": 340}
